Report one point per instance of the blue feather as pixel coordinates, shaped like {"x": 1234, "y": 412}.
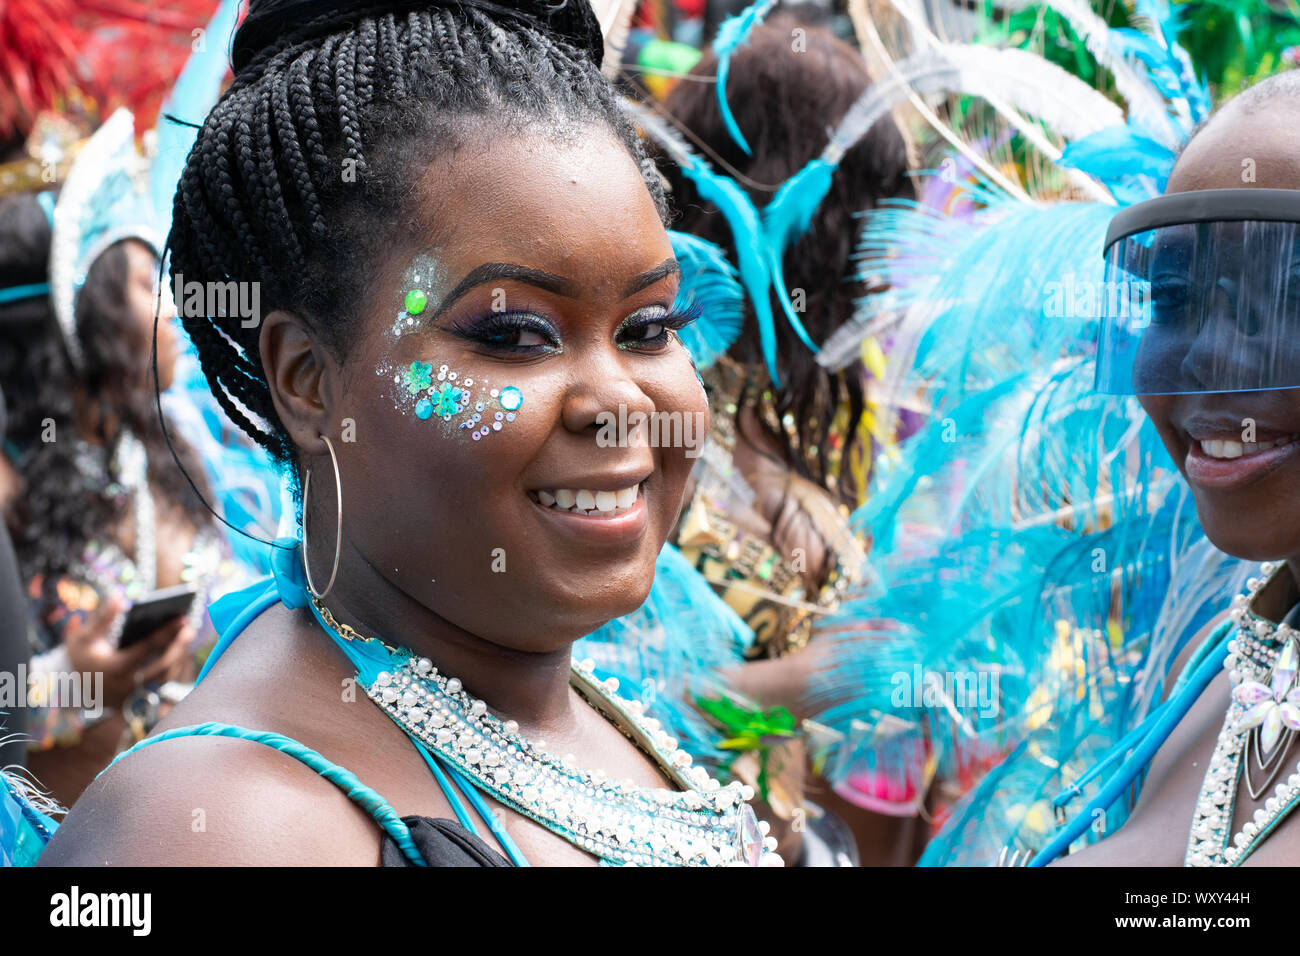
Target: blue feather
{"x": 732, "y": 34}
{"x": 196, "y": 89}
{"x": 709, "y": 282}
{"x": 747, "y": 230}
{"x": 786, "y": 218}
{"x": 1119, "y": 156}
{"x": 672, "y": 650}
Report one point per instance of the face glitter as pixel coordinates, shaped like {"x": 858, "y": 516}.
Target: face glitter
{"x": 511, "y": 398}
{"x": 442, "y": 393}
{"x": 420, "y": 281}
{"x": 433, "y": 391}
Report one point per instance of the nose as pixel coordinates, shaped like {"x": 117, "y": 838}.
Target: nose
{"x": 1220, "y": 344}
{"x": 605, "y": 383}
{"x": 166, "y": 303}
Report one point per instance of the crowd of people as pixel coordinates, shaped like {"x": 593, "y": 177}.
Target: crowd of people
{"x": 984, "y": 554}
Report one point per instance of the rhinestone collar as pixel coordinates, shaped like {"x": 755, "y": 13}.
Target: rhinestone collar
{"x": 622, "y": 823}
{"x": 1263, "y": 665}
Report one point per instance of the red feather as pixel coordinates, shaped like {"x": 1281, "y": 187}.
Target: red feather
{"x": 39, "y": 45}
{"x": 111, "y": 52}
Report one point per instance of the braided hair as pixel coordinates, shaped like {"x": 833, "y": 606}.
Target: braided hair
{"x": 306, "y": 161}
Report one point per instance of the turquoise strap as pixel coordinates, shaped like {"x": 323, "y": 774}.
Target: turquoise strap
{"x": 287, "y": 586}
{"x": 354, "y": 789}
{"x": 30, "y": 291}
{"x": 456, "y": 786}
{"x": 1127, "y": 742}
{"x": 449, "y": 791}
{"x": 1208, "y": 667}
{"x": 507, "y": 843}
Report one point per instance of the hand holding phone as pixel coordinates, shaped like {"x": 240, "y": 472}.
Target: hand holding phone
{"x": 159, "y": 656}
{"x": 154, "y": 610}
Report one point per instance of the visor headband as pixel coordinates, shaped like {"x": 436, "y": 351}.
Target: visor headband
{"x": 1204, "y": 205}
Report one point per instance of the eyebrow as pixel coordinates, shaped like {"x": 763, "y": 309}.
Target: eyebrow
{"x": 646, "y": 279}
{"x": 547, "y": 281}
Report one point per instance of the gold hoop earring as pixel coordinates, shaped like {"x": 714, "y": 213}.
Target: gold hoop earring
{"x": 338, "y": 533}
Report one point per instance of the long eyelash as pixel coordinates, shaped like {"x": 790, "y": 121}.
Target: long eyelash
{"x": 482, "y": 329}
{"x": 677, "y": 319}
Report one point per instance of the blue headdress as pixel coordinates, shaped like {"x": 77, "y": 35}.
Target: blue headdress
{"x": 1032, "y": 529}
{"x": 104, "y": 200}
{"x": 761, "y": 238}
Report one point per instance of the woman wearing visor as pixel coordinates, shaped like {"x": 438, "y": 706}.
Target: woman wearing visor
{"x": 1202, "y": 323}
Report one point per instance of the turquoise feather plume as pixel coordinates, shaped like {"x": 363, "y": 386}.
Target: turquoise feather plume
{"x": 709, "y": 283}
{"x": 785, "y": 219}
{"x": 732, "y": 34}
{"x": 747, "y": 231}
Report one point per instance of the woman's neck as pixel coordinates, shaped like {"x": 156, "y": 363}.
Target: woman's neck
{"x": 95, "y": 424}
{"x": 531, "y": 688}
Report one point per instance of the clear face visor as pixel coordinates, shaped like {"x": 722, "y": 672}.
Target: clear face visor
{"x": 1208, "y": 304}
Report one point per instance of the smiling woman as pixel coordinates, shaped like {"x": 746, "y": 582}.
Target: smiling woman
{"x": 461, "y": 256}
{"x": 1214, "y": 365}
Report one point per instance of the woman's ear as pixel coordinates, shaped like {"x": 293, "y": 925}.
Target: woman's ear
{"x": 302, "y": 378}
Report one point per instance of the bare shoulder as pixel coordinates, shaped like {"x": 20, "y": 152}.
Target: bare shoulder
{"x": 203, "y": 800}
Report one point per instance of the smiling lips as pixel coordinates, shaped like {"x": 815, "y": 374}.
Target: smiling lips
{"x": 1227, "y": 449}
{"x": 583, "y": 501}
{"x": 1226, "y": 463}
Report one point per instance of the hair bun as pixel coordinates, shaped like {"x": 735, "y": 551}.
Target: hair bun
{"x": 268, "y": 20}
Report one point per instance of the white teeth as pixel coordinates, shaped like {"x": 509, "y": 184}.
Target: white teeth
{"x": 584, "y": 501}
{"x": 1228, "y": 449}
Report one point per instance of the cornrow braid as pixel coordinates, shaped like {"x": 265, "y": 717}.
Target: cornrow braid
{"x": 309, "y": 156}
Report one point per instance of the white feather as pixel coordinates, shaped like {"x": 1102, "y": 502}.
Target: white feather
{"x": 1144, "y": 100}
{"x": 615, "y": 18}
{"x": 661, "y": 131}
{"x": 1024, "y": 80}
{"x": 1037, "y": 87}
{"x": 22, "y": 783}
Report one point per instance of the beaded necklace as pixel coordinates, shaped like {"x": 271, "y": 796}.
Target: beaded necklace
{"x": 622, "y": 823}
{"x": 1261, "y": 724}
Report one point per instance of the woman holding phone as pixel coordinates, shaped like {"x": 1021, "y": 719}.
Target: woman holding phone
{"x": 99, "y": 514}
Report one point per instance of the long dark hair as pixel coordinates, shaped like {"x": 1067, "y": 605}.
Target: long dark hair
{"x": 59, "y": 511}
{"x": 379, "y": 89}
{"x": 786, "y": 90}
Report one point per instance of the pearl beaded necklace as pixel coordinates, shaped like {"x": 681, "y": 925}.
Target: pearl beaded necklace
{"x": 1263, "y": 663}
{"x": 703, "y": 824}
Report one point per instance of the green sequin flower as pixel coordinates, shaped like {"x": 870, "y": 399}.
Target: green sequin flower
{"x": 419, "y": 377}
{"x": 446, "y": 401}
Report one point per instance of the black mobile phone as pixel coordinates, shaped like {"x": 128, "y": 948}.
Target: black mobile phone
{"x": 155, "y": 609}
